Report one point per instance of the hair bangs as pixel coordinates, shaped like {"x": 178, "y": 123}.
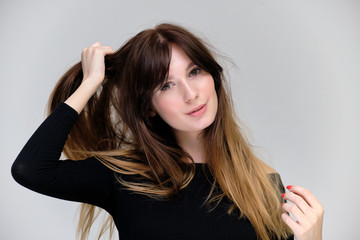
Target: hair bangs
{"x": 153, "y": 61}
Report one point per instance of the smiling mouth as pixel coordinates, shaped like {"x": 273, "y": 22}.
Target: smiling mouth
{"x": 197, "y": 109}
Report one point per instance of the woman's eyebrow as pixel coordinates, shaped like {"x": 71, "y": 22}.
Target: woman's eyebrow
{"x": 189, "y": 66}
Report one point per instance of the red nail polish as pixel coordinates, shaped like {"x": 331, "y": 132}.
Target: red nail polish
{"x": 282, "y": 195}
{"x": 288, "y": 186}
{"x": 282, "y": 204}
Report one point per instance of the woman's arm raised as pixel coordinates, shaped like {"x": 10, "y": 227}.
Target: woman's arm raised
{"x": 93, "y": 66}
{"x": 38, "y": 167}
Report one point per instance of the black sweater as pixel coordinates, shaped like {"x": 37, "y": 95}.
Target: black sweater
{"x": 136, "y": 216}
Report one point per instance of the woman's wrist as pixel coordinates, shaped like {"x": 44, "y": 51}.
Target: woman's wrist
{"x": 81, "y": 96}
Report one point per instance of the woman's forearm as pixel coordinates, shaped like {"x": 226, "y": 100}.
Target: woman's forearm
{"x": 81, "y": 96}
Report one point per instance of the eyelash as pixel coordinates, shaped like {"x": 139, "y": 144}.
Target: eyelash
{"x": 166, "y": 85}
{"x": 198, "y": 70}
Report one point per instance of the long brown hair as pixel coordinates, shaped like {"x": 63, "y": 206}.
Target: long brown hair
{"x": 117, "y": 128}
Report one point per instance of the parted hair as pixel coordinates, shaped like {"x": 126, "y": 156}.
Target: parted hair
{"x": 116, "y": 127}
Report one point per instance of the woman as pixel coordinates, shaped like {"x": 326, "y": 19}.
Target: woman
{"x": 163, "y": 154}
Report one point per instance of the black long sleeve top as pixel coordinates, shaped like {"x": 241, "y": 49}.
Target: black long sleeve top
{"x": 136, "y": 216}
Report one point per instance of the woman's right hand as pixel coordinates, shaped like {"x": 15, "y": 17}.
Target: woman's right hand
{"x": 93, "y": 67}
{"x": 93, "y": 62}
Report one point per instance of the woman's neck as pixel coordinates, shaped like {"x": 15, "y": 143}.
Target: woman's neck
{"x": 192, "y": 144}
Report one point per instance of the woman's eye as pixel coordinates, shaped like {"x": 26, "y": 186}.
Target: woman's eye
{"x": 167, "y": 86}
{"x": 195, "y": 72}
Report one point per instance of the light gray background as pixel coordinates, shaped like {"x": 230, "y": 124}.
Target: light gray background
{"x": 295, "y": 85}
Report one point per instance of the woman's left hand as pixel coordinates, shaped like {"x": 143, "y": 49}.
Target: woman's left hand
{"x": 307, "y": 211}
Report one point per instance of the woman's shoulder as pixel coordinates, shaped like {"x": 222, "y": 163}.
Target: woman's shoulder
{"x": 274, "y": 177}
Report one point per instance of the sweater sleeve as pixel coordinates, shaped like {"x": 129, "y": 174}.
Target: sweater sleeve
{"x": 38, "y": 167}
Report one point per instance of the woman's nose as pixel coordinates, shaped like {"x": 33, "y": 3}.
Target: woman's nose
{"x": 190, "y": 92}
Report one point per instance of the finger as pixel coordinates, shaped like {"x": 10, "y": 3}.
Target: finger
{"x": 96, "y": 44}
{"x": 107, "y": 50}
{"x": 306, "y": 195}
{"x": 294, "y": 226}
{"x": 101, "y": 50}
{"x": 295, "y": 211}
{"x": 298, "y": 200}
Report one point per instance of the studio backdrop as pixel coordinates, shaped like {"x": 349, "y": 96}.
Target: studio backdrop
{"x": 294, "y": 69}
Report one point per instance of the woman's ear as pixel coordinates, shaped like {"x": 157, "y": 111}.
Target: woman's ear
{"x": 152, "y": 113}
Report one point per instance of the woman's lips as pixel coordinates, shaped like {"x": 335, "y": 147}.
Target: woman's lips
{"x": 197, "y": 111}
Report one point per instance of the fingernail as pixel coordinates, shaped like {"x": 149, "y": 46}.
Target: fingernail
{"x": 288, "y": 186}
{"x": 282, "y": 204}
{"x": 282, "y": 195}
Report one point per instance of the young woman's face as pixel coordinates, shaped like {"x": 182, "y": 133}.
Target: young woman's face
{"x": 187, "y": 101}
